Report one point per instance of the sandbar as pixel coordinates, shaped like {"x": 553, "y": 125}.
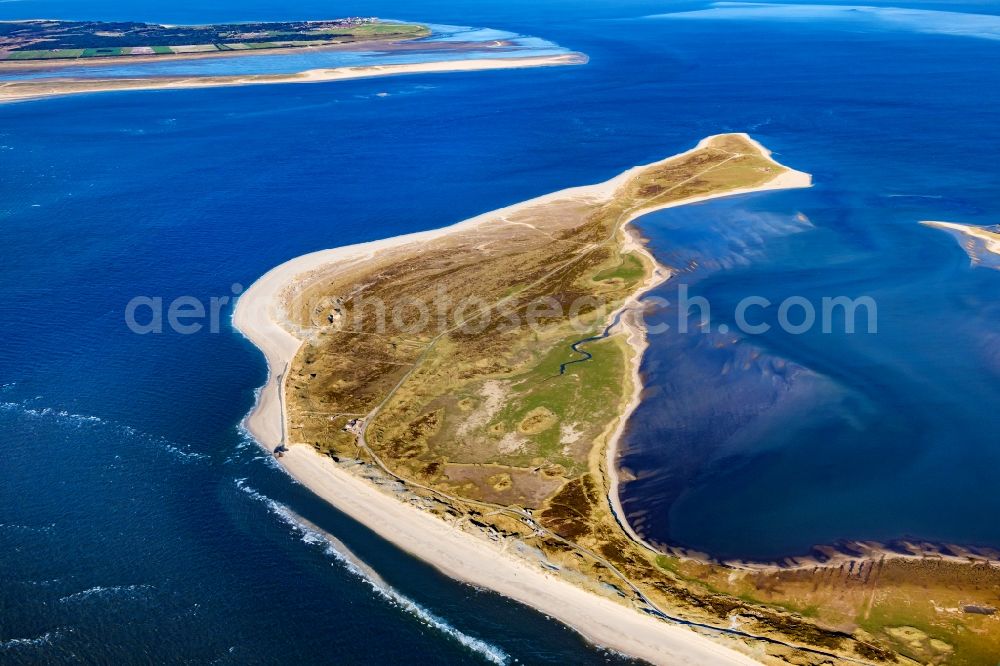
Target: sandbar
{"x": 31, "y": 89}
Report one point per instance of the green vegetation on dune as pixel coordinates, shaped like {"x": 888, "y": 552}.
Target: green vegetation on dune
{"x": 496, "y": 396}
{"x": 587, "y": 394}
{"x": 631, "y": 270}
{"x": 921, "y": 632}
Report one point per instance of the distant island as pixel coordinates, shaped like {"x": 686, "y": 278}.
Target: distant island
{"x": 74, "y": 40}
{"x": 41, "y": 58}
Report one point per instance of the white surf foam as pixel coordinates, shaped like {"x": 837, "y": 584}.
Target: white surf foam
{"x": 313, "y": 535}
{"x": 40, "y": 583}
{"x": 47, "y": 638}
{"x": 14, "y": 527}
{"x": 247, "y": 443}
{"x": 24, "y": 409}
{"x": 100, "y": 592}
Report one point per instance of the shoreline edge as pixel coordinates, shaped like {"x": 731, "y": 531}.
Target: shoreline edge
{"x": 30, "y": 90}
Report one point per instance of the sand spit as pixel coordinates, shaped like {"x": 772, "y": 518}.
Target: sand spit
{"x": 260, "y": 317}
{"x": 30, "y": 89}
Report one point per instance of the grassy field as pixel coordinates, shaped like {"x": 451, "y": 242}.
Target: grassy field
{"x": 913, "y": 606}
{"x": 631, "y": 270}
{"x": 143, "y": 36}
{"x": 588, "y": 393}
{"x": 42, "y": 55}
{"x": 388, "y": 30}
{"x": 101, "y": 52}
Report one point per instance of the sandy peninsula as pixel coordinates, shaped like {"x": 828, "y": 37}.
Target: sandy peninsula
{"x": 29, "y": 89}
{"x": 978, "y": 242}
{"x": 262, "y": 317}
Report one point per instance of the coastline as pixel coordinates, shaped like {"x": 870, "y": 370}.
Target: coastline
{"x": 117, "y": 61}
{"x": 636, "y": 335}
{"x": 27, "y": 90}
{"x": 989, "y": 238}
{"x": 464, "y": 557}
{"x": 258, "y": 316}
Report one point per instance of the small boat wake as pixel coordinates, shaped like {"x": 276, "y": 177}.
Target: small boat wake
{"x": 313, "y": 535}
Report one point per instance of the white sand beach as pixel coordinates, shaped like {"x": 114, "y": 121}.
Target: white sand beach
{"x": 990, "y": 239}
{"x": 24, "y": 90}
{"x": 259, "y": 316}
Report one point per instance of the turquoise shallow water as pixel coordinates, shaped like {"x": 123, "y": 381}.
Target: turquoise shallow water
{"x": 139, "y": 524}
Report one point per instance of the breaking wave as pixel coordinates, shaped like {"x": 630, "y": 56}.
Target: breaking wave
{"x": 49, "y": 412}
{"x": 248, "y": 445}
{"x": 100, "y": 592}
{"x": 332, "y": 547}
{"x": 26, "y": 410}
{"x": 37, "y": 529}
{"x": 40, "y": 583}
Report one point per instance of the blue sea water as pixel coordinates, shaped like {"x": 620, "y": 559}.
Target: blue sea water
{"x": 140, "y": 525}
